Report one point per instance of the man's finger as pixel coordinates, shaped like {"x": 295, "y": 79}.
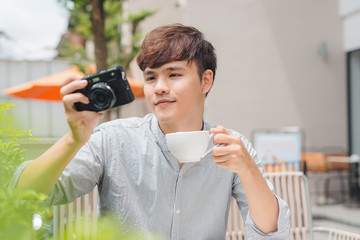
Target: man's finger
{"x": 70, "y": 99}
{"x": 75, "y": 97}
{"x": 224, "y": 139}
{"x": 72, "y": 86}
{"x": 219, "y": 129}
{"x": 221, "y": 151}
{"x": 69, "y": 79}
{"x": 221, "y": 159}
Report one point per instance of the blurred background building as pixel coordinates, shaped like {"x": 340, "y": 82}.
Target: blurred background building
{"x": 280, "y": 63}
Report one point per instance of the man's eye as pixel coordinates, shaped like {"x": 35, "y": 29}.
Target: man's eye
{"x": 150, "y": 78}
{"x": 174, "y": 75}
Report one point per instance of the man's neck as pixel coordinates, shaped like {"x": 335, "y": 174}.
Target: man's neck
{"x": 194, "y": 125}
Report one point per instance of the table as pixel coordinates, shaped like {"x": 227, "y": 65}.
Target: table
{"x": 354, "y": 177}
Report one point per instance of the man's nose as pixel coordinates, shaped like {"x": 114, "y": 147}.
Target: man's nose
{"x": 162, "y": 86}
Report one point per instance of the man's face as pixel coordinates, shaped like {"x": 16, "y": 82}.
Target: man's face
{"x": 174, "y": 92}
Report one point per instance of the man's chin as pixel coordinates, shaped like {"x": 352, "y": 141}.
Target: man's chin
{"x": 164, "y": 118}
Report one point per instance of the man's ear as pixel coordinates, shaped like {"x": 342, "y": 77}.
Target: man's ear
{"x": 207, "y": 80}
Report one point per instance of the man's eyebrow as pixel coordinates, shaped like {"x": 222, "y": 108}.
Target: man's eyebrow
{"x": 171, "y": 68}
{"x": 174, "y": 68}
{"x": 148, "y": 72}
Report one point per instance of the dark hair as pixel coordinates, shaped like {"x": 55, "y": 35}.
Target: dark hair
{"x": 177, "y": 42}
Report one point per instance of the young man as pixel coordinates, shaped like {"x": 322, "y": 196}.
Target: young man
{"x": 138, "y": 177}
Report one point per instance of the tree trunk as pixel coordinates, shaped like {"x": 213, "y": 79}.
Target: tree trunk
{"x": 98, "y": 30}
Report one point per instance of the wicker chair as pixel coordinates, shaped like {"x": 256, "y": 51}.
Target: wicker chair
{"x": 293, "y": 188}
{"x": 77, "y": 220}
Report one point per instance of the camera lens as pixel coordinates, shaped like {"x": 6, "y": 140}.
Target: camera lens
{"x": 102, "y": 96}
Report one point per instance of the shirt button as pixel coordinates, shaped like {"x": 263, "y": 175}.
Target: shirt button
{"x": 177, "y": 212}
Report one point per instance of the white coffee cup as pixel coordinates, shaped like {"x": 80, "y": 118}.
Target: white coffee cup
{"x": 189, "y": 146}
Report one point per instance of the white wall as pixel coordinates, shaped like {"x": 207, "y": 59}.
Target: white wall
{"x": 349, "y": 10}
{"x": 270, "y": 73}
{"x": 348, "y": 7}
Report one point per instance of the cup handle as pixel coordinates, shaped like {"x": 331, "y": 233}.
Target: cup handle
{"x": 209, "y": 150}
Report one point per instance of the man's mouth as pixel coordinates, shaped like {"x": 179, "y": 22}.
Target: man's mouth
{"x": 163, "y": 101}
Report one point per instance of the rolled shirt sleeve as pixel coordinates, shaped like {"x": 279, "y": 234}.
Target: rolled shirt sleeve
{"x": 17, "y": 173}
{"x": 283, "y": 225}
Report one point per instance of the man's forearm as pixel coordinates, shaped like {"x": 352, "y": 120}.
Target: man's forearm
{"x": 263, "y": 206}
{"x": 42, "y": 173}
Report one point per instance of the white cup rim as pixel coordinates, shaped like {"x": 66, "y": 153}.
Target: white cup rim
{"x": 188, "y": 132}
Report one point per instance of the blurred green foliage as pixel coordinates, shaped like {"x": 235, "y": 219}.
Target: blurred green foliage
{"x": 16, "y": 207}
{"x": 11, "y": 154}
{"x": 108, "y": 228}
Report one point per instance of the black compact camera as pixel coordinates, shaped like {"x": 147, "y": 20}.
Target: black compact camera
{"x": 106, "y": 89}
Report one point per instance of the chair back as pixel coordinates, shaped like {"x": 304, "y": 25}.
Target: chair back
{"x": 77, "y": 220}
{"x": 293, "y": 188}
{"x": 337, "y": 234}
{"x": 235, "y": 226}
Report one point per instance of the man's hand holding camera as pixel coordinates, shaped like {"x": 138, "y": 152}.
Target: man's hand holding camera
{"x": 81, "y": 123}
{"x": 84, "y": 97}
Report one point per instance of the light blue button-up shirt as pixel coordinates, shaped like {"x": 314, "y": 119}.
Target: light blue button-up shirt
{"x": 141, "y": 181}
